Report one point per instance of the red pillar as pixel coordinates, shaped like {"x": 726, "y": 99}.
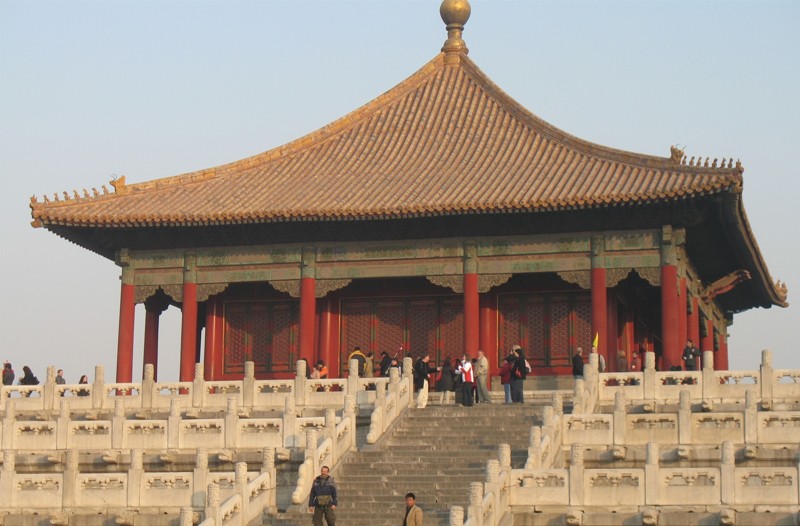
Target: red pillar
{"x": 151, "y": 319}
{"x": 721, "y": 356}
{"x": 693, "y": 324}
{"x": 212, "y": 350}
{"x": 308, "y": 317}
{"x": 188, "y": 331}
{"x": 683, "y": 313}
{"x": 671, "y": 353}
{"x": 127, "y": 310}
{"x": 600, "y": 313}
{"x": 325, "y": 347}
{"x": 488, "y": 329}
{"x": 707, "y": 341}
{"x": 471, "y": 315}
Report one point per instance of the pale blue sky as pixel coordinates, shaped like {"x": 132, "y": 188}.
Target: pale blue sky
{"x": 89, "y": 90}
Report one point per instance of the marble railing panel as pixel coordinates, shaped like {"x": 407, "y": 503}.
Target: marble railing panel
{"x": 588, "y": 429}
{"x": 762, "y": 486}
{"x": 30, "y": 434}
{"x": 539, "y": 487}
{"x": 630, "y": 384}
{"x": 669, "y": 385}
{"x": 715, "y": 428}
{"x": 786, "y": 384}
{"x": 688, "y": 486}
{"x": 102, "y": 490}
{"x": 37, "y": 491}
{"x": 779, "y": 427}
{"x": 166, "y": 489}
{"x": 202, "y": 433}
{"x": 613, "y": 487}
{"x": 661, "y": 428}
{"x": 260, "y": 432}
{"x": 144, "y": 434}
{"x": 87, "y": 434}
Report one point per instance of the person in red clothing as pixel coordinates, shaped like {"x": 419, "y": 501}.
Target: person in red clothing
{"x": 468, "y": 380}
{"x": 505, "y": 376}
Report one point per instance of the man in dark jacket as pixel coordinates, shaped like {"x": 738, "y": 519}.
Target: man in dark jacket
{"x": 8, "y": 374}
{"x": 577, "y": 363}
{"x": 322, "y": 499}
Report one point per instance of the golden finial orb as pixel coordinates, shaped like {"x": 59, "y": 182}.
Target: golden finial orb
{"x": 455, "y": 14}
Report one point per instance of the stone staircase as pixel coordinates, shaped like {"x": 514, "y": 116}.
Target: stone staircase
{"x": 435, "y": 453}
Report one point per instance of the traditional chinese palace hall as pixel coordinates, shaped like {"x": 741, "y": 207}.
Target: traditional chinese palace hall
{"x": 441, "y": 217}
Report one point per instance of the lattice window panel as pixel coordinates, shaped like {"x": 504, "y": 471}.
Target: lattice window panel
{"x": 423, "y": 323}
{"x": 259, "y": 336}
{"x": 390, "y": 326}
{"x": 356, "y": 326}
{"x": 560, "y": 354}
{"x": 284, "y": 338}
{"x": 535, "y": 347}
{"x": 510, "y": 326}
{"x": 235, "y": 338}
{"x": 583, "y": 325}
{"x": 452, "y": 328}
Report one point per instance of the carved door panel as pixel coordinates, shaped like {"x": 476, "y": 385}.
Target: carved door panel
{"x": 262, "y": 332}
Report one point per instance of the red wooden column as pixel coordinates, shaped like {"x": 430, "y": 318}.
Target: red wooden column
{"x": 488, "y": 329}
{"x": 721, "y": 356}
{"x": 325, "y": 345}
{"x": 671, "y": 352}
{"x": 600, "y": 299}
{"x": 471, "y": 301}
{"x": 211, "y": 358}
{"x": 693, "y": 324}
{"x": 127, "y": 310}
{"x": 154, "y": 306}
{"x": 683, "y": 314}
{"x": 308, "y": 305}
{"x": 188, "y": 319}
{"x": 707, "y": 339}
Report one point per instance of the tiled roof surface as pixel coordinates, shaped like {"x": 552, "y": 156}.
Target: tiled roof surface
{"x": 445, "y": 140}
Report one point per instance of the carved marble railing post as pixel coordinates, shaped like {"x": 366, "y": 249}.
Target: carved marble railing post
{"x": 591, "y": 376}
{"x": 98, "y": 387}
{"x": 649, "y": 376}
{"x": 240, "y": 487}
{"x": 148, "y": 392}
{"x": 135, "y": 474}
{"x": 291, "y": 437}
{"x": 49, "y": 389}
{"x": 70, "y": 479}
{"x": 330, "y": 432}
{"x": 408, "y": 371}
{"x": 118, "y": 423}
{"x": 212, "y": 504}
{"x": 534, "y": 448}
{"x": 493, "y": 485}
{"x": 475, "y": 508}
{"x": 684, "y": 417}
{"x": 198, "y": 386}
{"x": 7, "y": 475}
{"x": 231, "y": 422}
{"x": 576, "y": 470}
{"x": 174, "y": 424}
{"x": 728, "y": 473}
{"x": 750, "y": 417}
{"x": 300, "y": 384}
{"x": 766, "y": 376}
{"x": 200, "y": 477}
{"x": 311, "y": 453}
{"x": 394, "y": 389}
{"x": 651, "y": 467}
{"x": 579, "y": 398}
{"x": 249, "y": 385}
{"x": 376, "y": 419}
{"x": 268, "y": 466}
{"x": 350, "y": 412}
{"x": 352, "y": 377}
{"x": 62, "y": 424}
{"x": 557, "y": 401}
{"x": 456, "y": 516}
{"x": 710, "y": 387}
{"x": 8, "y": 424}
{"x": 186, "y": 516}
{"x": 504, "y": 456}
{"x": 620, "y": 417}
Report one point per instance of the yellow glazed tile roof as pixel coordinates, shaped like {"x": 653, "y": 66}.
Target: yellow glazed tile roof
{"x": 446, "y": 140}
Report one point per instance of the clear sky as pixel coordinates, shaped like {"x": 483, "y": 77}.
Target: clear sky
{"x": 145, "y": 89}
